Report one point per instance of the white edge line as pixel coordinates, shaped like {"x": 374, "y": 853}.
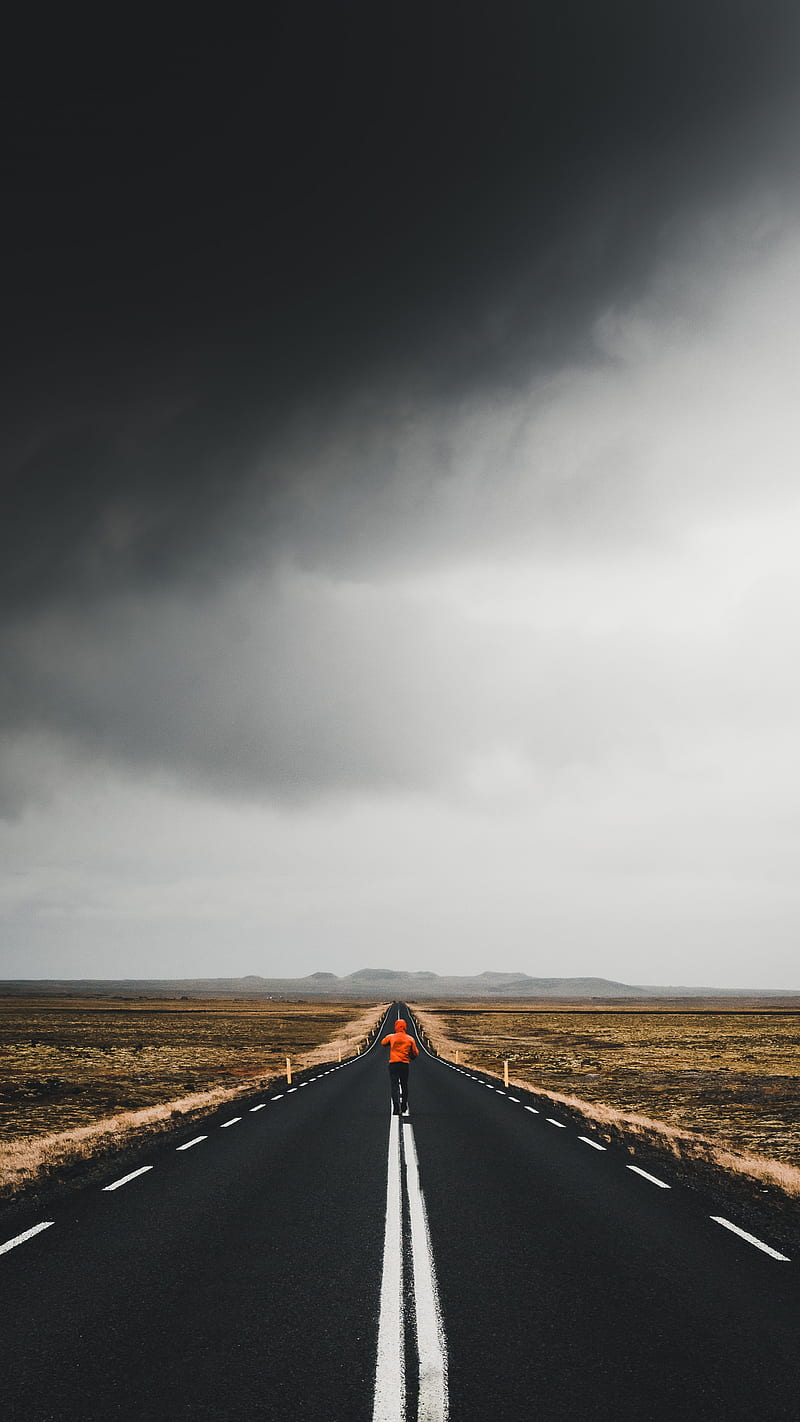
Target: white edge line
{"x": 141, "y": 1171}
{"x": 654, "y": 1178}
{"x": 28, "y": 1234}
{"x": 532, "y": 1110}
{"x": 593, "y": 1144}
{"x": 515, "y": 1099}
{"x": 231, "y": 1122}
{"x": 260, "y": 1107}
{"x": 551, "y": 1122}
{"x": 189, "y": 1144}
{"x": 751, "y": 1239}
{"x": 279, "y": 1096}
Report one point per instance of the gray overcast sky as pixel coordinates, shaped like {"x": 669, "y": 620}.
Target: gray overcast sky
{"x": 401, "y": 507}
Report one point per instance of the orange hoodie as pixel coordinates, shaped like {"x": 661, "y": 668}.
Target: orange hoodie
{"x": 402, "y": 1047}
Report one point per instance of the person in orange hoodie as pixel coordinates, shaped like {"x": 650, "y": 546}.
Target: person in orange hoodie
{"x": 401, "y": 1049}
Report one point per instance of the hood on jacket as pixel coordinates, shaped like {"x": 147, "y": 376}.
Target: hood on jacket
{"x": 400, "y": 1024}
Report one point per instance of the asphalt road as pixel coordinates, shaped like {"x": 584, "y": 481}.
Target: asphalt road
{"x": 288, "y": 1266}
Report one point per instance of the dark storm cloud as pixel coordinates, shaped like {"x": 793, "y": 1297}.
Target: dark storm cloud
{"x": 399, "y": 501}
{"x": 216, "y": 238}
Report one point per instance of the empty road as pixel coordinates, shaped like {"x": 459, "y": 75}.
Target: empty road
{"x": 306, "y": 1256}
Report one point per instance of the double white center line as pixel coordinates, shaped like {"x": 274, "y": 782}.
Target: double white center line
{"x": 390, "y": 1390}
{"x": 390, "y": 1377}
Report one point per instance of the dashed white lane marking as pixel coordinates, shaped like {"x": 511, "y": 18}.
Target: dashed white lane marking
{"x": 654, "y": 1178}
{"x": 28, "y": 1234}
{"x": 231, "y": 1122}
{"x": 593, "y": 1144}
{"x": 551, "y": 1122}
{"x": 532, "y": 1110}
{"x": 515, "y": 1099}
{"x": 189, "y": 1144}
{"x": 279, "y": 1096}
{"x": 141, "y": 1171}
{"x": 390, "y": 1403}
{"x": 431, "y": 1346}
{"x": 751, "y": 1239}
{"x": 291, "y": 1089}
{"x": 260, "y": 1107}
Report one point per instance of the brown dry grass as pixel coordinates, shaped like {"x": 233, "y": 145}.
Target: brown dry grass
{"x": 720, "y": 1086}
{"x": 81, "y": 1078}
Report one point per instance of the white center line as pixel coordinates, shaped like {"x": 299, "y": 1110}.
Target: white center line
{"x": 141, "y": 1171}
{"x": 260, "y": 1107}
{"x": 654, "y": 1178}
{"x": 751, "y": 1239}
{"x": 291, "y": 1089}
{"x": 593, "y": 1144}
{"x": 390, "y": 1403}
{"x": 279, "y": 1096}
{"x": 431, "y": 1346}
{"x": 515, "y": 1099}
{"x": 551, "y": 1122}
{"x": 231, "y": 1122}
{"x": 189, "y": 1144}
{"x": 532, "y": 1110}
{"x": 28, "y": 1234}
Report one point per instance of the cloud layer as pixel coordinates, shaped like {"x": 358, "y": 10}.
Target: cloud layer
{"x": 545, "y": 572}
{"x": 400, "y": 486}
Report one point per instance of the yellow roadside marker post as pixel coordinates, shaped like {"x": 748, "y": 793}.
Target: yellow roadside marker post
{"x": 505, "y": 1074}
{"x": 288, "y": 1071}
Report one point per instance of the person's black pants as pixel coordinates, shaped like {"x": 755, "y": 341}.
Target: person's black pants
{"x": 398, "y": 1080}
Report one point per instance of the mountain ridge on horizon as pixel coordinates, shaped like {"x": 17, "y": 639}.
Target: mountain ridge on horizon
{"x": 369, "y": 982}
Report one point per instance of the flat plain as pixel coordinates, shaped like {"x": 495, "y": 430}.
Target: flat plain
{"x": 728, "y": 1071}
{"x": 70, "y": 1062}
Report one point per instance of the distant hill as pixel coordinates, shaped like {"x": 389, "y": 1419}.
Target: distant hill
{"x": 376, "y": 975}
{"x": 377, "y": 984}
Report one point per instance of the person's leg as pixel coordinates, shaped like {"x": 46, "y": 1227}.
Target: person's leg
{"x": 403, "y": 1075}
{"x": 394, "y": 1085}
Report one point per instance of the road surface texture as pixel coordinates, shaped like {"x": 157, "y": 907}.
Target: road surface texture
{"x": 309, "y": 1256}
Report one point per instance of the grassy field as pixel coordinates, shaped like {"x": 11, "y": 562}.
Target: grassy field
{"x": 82, "y": 1079}
{"x": 727, "y": 1073}
{"x": 70, "y": 1062}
